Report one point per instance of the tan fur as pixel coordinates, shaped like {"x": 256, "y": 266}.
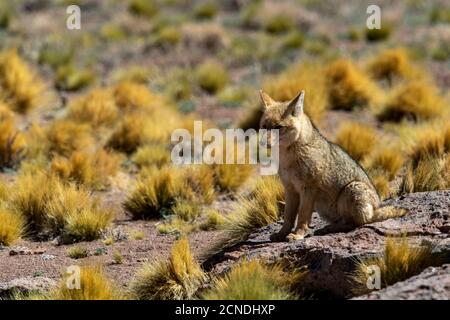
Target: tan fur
{"x": 317, "y": 175}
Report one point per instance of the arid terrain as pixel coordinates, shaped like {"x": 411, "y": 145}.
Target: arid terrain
{"x": 86, "y": 117}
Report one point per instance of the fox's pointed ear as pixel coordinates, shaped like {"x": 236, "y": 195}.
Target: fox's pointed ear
{"x": 266, "y": 99}
{"x": 297, "y": 103}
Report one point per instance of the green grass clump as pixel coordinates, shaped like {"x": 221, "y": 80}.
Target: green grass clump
{"x": 439, "y": 15}
{"x": 278, "y": 23}
{"x": 353, "y": 34}
{"x": 253, "y": 280}
{"x": 169, "y": 35}
{"x": 182, "y": 220}
{"x": 7, "y": 14}
{"x": 293, "y": 40}
{"x": 374, "y": 35}
{"x": 176, "y": 226}
{"x": 206, "y": 10}
{"x": 214, "y": 221}
{"x": 178, "y": 278}
{"x": 72, "y": 78}
{"x": 187, "y": 210}
{"x": 441, "y": 52}
{"x": 78, "y": 252}
{"x": 112, "y": 32}
{"x": 56, "y": 55}
{"x": 144, "y": 8}
{"x": 211, "y": 76}
{"x": 234, "y": 96}
{"x": 117, "y": 257}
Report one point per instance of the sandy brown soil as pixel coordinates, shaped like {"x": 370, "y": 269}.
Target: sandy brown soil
{"x": 135, "y": 253}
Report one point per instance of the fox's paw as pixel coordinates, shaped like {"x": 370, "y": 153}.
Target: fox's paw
{"x": 294, "y": 236}
{"x": 278, "y": 237}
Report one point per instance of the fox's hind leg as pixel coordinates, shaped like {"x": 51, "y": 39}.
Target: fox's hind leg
{"x": 357, "y": 203}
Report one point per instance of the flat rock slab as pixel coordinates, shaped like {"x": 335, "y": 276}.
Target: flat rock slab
{"x": 25, "y": 286}
{"x": 331, "y": 255}
{"x": 432, "y": 284}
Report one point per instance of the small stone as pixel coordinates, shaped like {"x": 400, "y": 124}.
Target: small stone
{"x": 24, "y": 251}
{"x": 18, "y": 251}
{"x": 57, "y": 241}
{"x": 48, "y": 257}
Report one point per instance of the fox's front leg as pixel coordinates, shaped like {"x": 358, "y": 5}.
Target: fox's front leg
{"x": 305, "y": 211}
{"x": 290, "y": 213}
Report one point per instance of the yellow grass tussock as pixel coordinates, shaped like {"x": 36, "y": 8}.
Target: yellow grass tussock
{"x": 385, "y": 160}
{"x": 90, "y": 169}
{"x": 19, "y": 85}
{"x": 132, "y": 96}
{"x": 390, "y": 65}
{"x": 94, "y": 285}
{"x": 65, "y": 137}
{"x": 357, "y": 139}
{"x": 12, "y": 226}
{"x": 12, "y": 143}
{"x": 52, "y": 208}
{"x": 401, "y": 260}
{"x": 155, "y": 193}
{"x": 98, "y": 107}
{"x": 175, "y": 279}
{"x": 260, "y": 208}
{"x": 349, "y": 87}
{"x": 151, "y": 155}
{"x": 416, "y": 100}
{"x": 254, "y": 280}
{"x": 307, "y": 76}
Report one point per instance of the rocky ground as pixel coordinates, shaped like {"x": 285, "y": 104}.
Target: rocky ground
{"x": 331, "y": 255}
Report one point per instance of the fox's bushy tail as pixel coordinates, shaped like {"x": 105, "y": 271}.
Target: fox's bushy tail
{"x": 388, "y": 212}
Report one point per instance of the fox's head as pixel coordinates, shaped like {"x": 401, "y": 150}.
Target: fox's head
{"x": 288, "y": 117}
